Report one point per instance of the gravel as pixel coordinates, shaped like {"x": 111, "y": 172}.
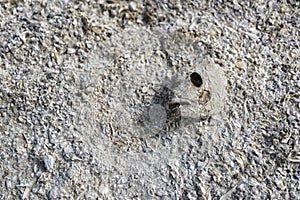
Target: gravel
{"x": 97, "y": 101}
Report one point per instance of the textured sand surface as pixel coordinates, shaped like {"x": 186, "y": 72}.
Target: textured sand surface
{"x": 97, "y": 99}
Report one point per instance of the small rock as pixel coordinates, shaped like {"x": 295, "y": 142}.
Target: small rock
{"x": 132, "y": 6}
{"x": 113, "y": 13}
{"x": 239, "y": 64}
{"x": 103, "y": 189}
{"x": 145, "y": 89}
{"x": 8, "y": 184}
{"x": 49, "y": 162}
{"x": 285, "y": 9}
{"x": 71, "y": 50}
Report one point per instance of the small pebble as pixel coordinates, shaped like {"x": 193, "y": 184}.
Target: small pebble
{"x": 132, "y": 6}
{"x": 103, "y": 189}
{"x": 49, "y": 162}
{"x": 145, "y": 89}
{"x": 239, "y": 64}
{"x": 71, "y": 50}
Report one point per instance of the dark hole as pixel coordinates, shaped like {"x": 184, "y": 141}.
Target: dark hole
{"x": 196, "y": 79}
{"x": 172, "y": 106}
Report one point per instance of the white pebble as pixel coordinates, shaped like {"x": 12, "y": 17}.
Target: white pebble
{"x": 132, "y": 6}
{"x": 103, "y": 189}
{"x": 71, "y": 51}
{"x": 49, "y": 162}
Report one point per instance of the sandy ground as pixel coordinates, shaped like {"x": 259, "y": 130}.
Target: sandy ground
{"x": 149, "y": 100}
